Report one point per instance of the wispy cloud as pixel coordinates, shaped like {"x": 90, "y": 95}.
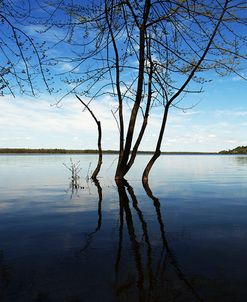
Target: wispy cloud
{"x": 231, "y": 113}
{"x": 23, "y": 118}
{"x": 40, "y": 32}
{"x": 35, "y": 123}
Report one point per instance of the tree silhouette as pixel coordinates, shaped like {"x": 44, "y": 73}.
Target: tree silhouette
{"x": 143, "y": 54}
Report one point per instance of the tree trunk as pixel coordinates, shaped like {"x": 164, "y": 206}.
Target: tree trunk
{"x": 145, "y": 119}
{"x": 118, "y": 86}
{"x": 100, "y": 161}
{"x": 124, "y": 157}
{"x": 158, "y": 145}
{"x": 150, "y": 165}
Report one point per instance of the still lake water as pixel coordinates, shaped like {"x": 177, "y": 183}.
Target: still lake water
{"x": 182, "y": 239}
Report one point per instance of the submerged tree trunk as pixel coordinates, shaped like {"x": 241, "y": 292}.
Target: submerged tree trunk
{"x": 123, "y": 159}
{"x": 177, "y": 94}
{"x": 145, "y": 118}
{"x": 100, "y": 160}
{"x": 100, "y": 156}
{"x": 122, "y": 167}
{"x": 157, "y": 151}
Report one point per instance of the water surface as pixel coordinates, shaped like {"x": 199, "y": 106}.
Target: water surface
{"x": 183, "y": 238}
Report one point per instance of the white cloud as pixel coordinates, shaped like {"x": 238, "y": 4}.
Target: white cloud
{"x": 32, "y": 123}
{"x": 212, "y": 136}
{"x": 68, "y": 67}
{"x": 231, "y": 113}
{"x": 40, "y": 31}
{"x": 28, "y": 118}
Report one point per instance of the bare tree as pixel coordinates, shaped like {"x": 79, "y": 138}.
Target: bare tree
{"x": 97, "y": 169}
{"x": 205, "y": 58}
{"x": 146, "y": 54}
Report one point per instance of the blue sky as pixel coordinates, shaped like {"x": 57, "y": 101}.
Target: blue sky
{"x": 218, "y": 120}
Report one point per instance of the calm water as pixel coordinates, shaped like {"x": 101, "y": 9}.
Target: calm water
{"x": 182, "y": 239}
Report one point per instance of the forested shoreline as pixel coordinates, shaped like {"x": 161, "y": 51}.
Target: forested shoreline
{"x": 237, "y": 150}
{"x": 86, "y": 151}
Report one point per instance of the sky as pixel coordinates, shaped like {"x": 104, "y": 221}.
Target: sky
{"x": 218, "y": 121}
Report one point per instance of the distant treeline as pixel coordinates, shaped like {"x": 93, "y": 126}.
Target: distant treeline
{"x": 237, "y": 150}
{"x": 87, "y": 151}
{"x": 52, "y": 151}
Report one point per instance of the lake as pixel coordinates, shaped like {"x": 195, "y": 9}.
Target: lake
{"x": 183, "y": 238}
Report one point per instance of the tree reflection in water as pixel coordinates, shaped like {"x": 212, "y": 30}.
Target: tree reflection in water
{"x": 150, "y": 273}
{"x": 152, "y": 285}
{"x": 156, "y": 278}
{"x": 4, "y": 275}
{"x": 90, "y": 236}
